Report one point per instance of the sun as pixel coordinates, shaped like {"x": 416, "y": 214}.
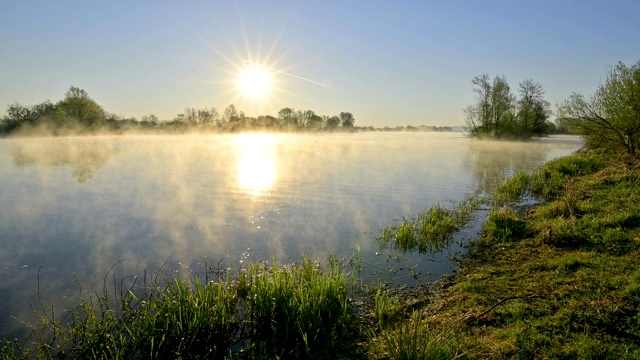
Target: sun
{"x": 255, "y": 81}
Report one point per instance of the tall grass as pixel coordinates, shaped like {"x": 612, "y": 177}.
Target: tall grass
{"x": 550, "y": 180}
{"x": 284, "y": 311}
{"x": 502, "y": 225}
{"x": 512, "y": 190}
{"x": 415, "y": 340}
{"x": 385, "y": 307}
{"x": 298, "y": 310}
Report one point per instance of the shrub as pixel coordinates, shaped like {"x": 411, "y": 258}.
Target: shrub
{"x": 611, "y": 118}
{"x": 504, "y": 225}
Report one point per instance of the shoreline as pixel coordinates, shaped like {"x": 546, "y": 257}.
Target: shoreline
{"x": 553, "y": 280}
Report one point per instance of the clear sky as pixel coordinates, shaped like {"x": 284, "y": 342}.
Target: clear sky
{"x": 387, "y": 62}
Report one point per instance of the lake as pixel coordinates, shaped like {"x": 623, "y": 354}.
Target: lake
{"x": 72, "y": 208}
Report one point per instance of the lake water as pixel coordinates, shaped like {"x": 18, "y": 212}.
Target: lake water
{"x": 74, "y": 207}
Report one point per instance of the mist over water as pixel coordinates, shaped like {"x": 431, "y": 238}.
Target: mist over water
{"x": 74, "y": 207}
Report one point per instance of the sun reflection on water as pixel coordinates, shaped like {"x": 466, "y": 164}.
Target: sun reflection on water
{"x": 256, "y": 165}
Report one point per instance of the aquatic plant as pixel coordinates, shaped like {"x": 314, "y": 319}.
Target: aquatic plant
{"x": 430, "y": 230}
{"x": 512, "y": 190}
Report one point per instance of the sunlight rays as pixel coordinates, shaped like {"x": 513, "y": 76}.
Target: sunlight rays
{"x": 254, "y": 76}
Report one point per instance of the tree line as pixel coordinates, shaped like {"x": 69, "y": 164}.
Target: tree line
{"x": 78, "y": 113}
{"x": 609, "y": 119}
{"x": 497, "y": 113}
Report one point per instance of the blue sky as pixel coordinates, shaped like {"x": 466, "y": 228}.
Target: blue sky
{"x": 387, "y": 62}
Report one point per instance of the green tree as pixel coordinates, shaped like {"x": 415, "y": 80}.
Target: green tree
{"x": 333, "y": 122}
{"x": 18, "y": 115}
{"x": 288, "y": 117}
{"x": 231, "y": 115}
{"x": 502, "y": 105}
{"x": 209, "y": 116}
{"x": 308, "y": 119}
{"x": 314, "y": 122}
{"x": 191, "y": 116}
{"x": 347, "y": 119}
{"x": 533, "y": 110}
{"x": 611, "y": 117}
{"x": 270, "y": 121}
{"x": 77, "y": 105}
{"x": 478, "y": 116}
{"x": 496, "y": 112}
{"x": 149, "y": 120}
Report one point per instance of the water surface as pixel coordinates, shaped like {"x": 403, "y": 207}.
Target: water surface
{"x": 74, "y": 207}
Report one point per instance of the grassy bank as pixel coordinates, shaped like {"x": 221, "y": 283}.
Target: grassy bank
{"x": 560, "y": 280}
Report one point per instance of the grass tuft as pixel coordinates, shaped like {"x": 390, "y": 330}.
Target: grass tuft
{"x": 513, "y": 190}
{"x": 415, "y": 340}
{"x": 386, "y": 307}
{"x": 504, "y": 225}
{"x": 430, "y": 230}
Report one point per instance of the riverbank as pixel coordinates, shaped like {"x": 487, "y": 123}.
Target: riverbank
{"x": 556, "y": 280}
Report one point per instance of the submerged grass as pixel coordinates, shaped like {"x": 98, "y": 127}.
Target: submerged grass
{"x": 430, "y": 230}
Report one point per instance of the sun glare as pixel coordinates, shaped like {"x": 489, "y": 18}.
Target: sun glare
{"x": 257, "y": 168}
{"x": 255, "y": 81}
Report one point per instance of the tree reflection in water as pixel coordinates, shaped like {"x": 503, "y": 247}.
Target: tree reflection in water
{"x": 491, "y": 162}
{"x": 83, "y": 158}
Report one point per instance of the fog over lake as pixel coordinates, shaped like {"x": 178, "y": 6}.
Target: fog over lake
{"x": 80, "y": 205}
